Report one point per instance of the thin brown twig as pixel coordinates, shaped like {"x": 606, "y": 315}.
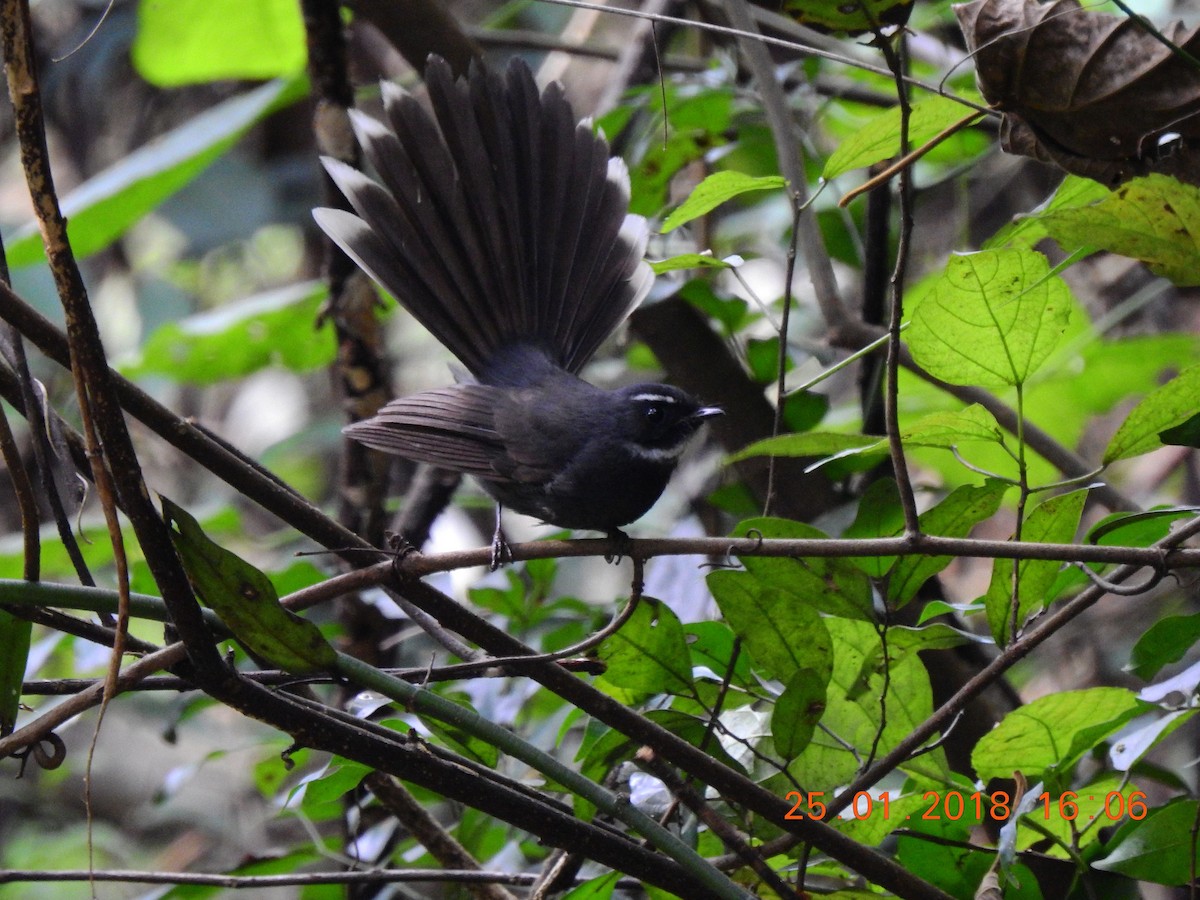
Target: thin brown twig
{"x": 441, "y": 845}
{"x": 885, "y": 175}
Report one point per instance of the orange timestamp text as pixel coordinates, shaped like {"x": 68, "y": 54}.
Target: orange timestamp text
{"x": 954, "y": 805}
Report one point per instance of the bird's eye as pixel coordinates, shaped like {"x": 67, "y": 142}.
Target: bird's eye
{"x": 655, "y": 414}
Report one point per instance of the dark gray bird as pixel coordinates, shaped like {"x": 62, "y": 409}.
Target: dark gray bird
{"x": 502, "y": 225}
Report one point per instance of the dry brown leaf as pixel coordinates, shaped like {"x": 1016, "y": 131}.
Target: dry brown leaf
{"x": 1097, "y": 94}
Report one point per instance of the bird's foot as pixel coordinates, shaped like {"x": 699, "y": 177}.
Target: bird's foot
{"x": 501, "y": 552}
{"x": 621, "y": 546}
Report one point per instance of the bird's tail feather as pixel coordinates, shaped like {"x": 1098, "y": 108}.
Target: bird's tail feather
{"x": 497, "y": 220}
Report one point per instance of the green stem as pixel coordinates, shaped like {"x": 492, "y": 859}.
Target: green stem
{"x": 618, "y": 806}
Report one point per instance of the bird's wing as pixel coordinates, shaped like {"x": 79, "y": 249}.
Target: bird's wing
{"x": 450, "y": 427}
{"x": 498, "y": 219}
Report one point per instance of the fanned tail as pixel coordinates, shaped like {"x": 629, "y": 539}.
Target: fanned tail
{"x": 499, "y": 220}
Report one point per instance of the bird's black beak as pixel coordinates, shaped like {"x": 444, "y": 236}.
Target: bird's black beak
{"x": 707, "y": 412}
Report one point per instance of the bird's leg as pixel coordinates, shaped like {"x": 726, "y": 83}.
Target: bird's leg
{"x": 621, "y": 546}
{"x": 501, "y": 553}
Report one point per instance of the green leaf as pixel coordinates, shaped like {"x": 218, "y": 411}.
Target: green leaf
{"x": 698, "y": 120}
{"x": 1074, "y": 191}
{"x": 872, "y": 823}
{"x": 1160, "y": 410}
{"x": 607, "y": 748}
{"x": 762, "y": 359}
{"x": 649, "y": 654}
{"x": 783, "y": 636}
{"x": 991, "y": 319}
{"x": 879, "y": 515}
{"x": 718, "y": 188}
{"x": 855, "y": 18}
{"x": 195, "y": 41}
{"x": 104, "y": 207}
{"x": 818, "y": 444}
{"x": 1155, "y": 219}
{"x": 711, "y": 647}
{"x": 835, "y": 587}
{"x": 879, "y": 139}
{"x": 1053, "y": 732}
{"x": 1185, "y": 434}
{"x": 688, "y": 261}
{"x": 797, "y": 711}
{"x": 1054, "y": 521}
{"x": 1159, "y": 848}
{"x": 235, "y": 340}
{"x": 948, "y": 429}
{"x": 463, "y": 742}
{"x": 1164, "y": 642}
{"x": 938, "y": 636}
{"x": 1093, "y": 804}
{"x": 854, "y": 712}
{"x": 246, "y": 600}
{"x": 598, "y": 888}
{"x": 14, "y": 654}
{"x": 1140, "y": 529}
{"x": 963, "y": 509}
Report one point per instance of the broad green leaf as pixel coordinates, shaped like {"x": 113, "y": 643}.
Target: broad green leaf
{"x": 939, "y": 850}
{"x": 711, "y": 645}
{"x": 698, "y": 120}
{"x": 835, "y": 587}
{"x": 1074, "y": 820}
{"x": 1140, "y": 529}
{"x": 1164, "y": 408}
{"x": 104, "y": 207}
{"x": 246, "y": 600}
{"x": 991, "y": 319}
{"x": 855, "y": 710}
{"x": 688, "y": 261}
{"x": 810, "y": 443}
{"x": 797, "y": 711}
{"x": 239, "y": 338}
{"x": 873, "y": 822}
{"x": 879, "y": 139}
{"x": 718, "y": 188}
{"x": 955, "y": 516}
{"x": 462, "y": 742}
{"x": 649, "y": 655}
{"x": 1074, "y": 191}
{"x": 732, "y": 312}
{"x": 762, "y": 359}
{"x": 782, "y": 634}
{"x": 607, "y": 748}
{"x": 598, "y": 888}
{"x": 1052, "y": 522}
{"x": 1155, "y": 219}
{"x": 1185, "y": 434}
{"x": 1053, "y": 732}
{"x": 1164, "y": 642}
{"x": 854, "y": 18}
{"x": 948, "y": 429}
{"x": 938, "y": 636}
{"x": 1160, "y": 848}
{"x": 1065, "y": 396}
{"x": 879, "y": 516}
{"x": 339, "y": 777}
{"x": 195, "y": 41}
{"x": 14, "y": 653}
{"x": 940, "y": 429}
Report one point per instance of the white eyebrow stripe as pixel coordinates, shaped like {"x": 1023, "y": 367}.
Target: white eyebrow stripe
{"x": 654, "y": 398}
